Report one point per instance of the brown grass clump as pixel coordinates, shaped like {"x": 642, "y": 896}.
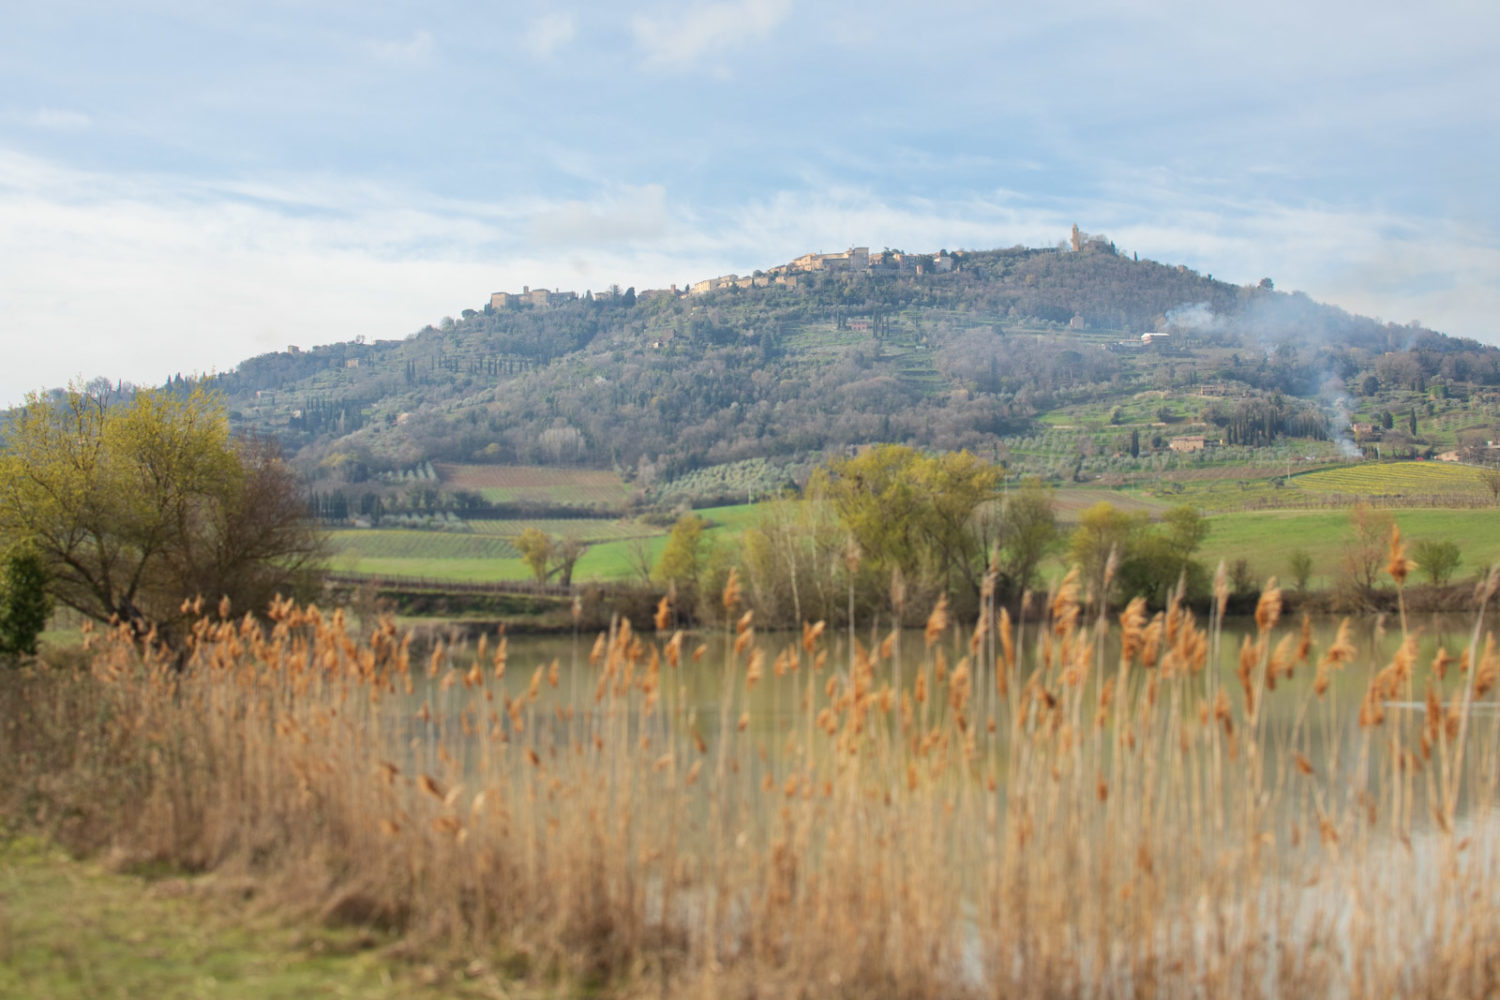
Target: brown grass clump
{"x": 1024, "y": 814}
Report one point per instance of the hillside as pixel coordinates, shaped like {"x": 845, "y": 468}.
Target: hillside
{"x": 1035, "y": 357}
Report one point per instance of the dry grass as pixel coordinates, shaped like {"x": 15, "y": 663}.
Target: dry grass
{"x": 1019, "y": 818}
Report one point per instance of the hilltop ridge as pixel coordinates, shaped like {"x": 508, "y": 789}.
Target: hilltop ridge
{"x": 1100, "y": 353}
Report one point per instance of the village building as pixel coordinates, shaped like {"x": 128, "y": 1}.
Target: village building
{"x": 1188, "y": 443}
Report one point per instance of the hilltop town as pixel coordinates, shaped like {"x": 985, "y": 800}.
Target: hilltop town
{"x": 855, "y": 261}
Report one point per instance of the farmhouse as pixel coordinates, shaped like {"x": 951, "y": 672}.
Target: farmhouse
{"x": 1189, "y": 443}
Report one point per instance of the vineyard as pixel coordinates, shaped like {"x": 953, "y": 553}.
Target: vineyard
{"x": 421, "y": 545}
{"x": 1427, "y": 479}
{"x": 585, "y": 529}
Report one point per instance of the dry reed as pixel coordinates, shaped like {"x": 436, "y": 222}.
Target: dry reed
{"x": 1019, "y": 818}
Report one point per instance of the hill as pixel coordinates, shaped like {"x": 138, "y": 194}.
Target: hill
{"x": 1080, "y": 365}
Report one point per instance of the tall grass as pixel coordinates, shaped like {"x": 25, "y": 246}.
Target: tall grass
{"x": 1019, "y": 817}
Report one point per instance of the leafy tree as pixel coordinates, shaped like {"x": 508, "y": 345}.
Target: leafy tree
{"x": 1186, "y": 529}
{"x": 682, "y": 560}
{"x": 134, "y": 507}
{"x": 1437, "y": 560}
{"x": 25, "y": 604}
{"x": 913, "y": 512}
{"x": 1157, "y": 557}
{"x": 1099, "y": 542}
{"x": 1028, "y": 532}
{"x": 535, "y": 547}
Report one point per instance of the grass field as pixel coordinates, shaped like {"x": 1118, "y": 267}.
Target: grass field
{"x": 536, "y": 484}
{"x": 1266, "y": 539}
{"x": 484, "y": 554}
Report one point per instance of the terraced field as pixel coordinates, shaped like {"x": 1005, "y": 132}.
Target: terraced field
{"x": 536, "y": 484}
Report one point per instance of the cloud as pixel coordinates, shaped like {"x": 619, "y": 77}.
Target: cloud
{"x": 549, "y": 33}
{"x": 415, "y": 51}
{"x": 60, "y": 120}
{"x": 635, "y": 215}
{"x": 677, "y": 41}
{"x": 139, "y": 276}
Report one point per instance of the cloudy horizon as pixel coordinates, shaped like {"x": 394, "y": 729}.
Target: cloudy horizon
{"x": 181, "y": 188}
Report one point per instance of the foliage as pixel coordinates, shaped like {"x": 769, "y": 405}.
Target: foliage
{"x": 134, "y": 507}
{"x": 1437, "y": 559}
{"x": 1098, "y": 544}
{"x": 793, "y": 566}
{"x": 683, "y": 559}
{"x": 913, "y": 513}
{"x": 1301, "y": 565}
{"x": 1159, "y": 557}
{"x": 1027, "y": 530}
{"x": 535, "y": 547}
{"x": 676, "y": 385}
{"x": 25, "y": 604}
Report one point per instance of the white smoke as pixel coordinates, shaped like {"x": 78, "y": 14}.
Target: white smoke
{"x": 1197, "y": 317}
{"x": 1339, "y": 427}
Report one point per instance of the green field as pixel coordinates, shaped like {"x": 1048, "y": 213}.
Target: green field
{"x": 485, "y": 553}
{"x": 1267, "y": 538}
{"x": 1264, "y": 538}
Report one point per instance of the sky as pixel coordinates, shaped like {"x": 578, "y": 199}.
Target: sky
{"x": 184, "y": 185}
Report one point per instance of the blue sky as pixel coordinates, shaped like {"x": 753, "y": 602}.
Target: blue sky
{"x": 183, "y": 185}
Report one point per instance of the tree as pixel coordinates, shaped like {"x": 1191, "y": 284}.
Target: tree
{"x": 1365, "y": 552}
{"x": 1301, "y": 565}
{"x": 25, "y": 605}
{"x": 1490, "y": 476}
{"x": 1098, "y": 542}
{"x": 682, "y": 560}
{"x": 535, "y": 547}
{"x": 1028, "y": 531}
{"x": 1437, "y": 560}
{"x": 566, "y": 555}
{"x": 1156, "y": 558}
{"x": 913, "y": 512}
{"x": 133, "y": 507}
